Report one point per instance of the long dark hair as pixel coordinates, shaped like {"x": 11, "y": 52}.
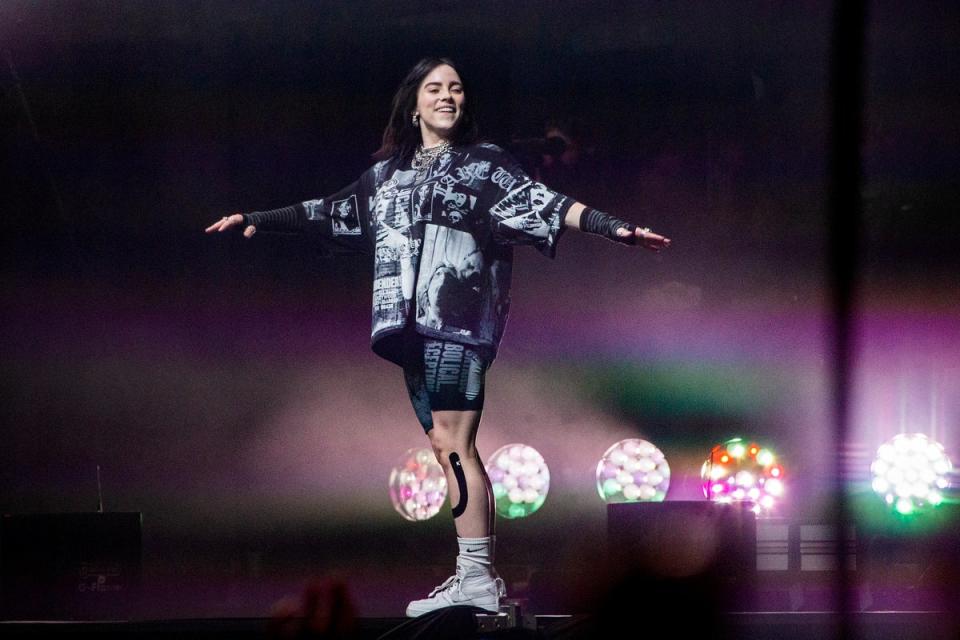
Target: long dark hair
{"x": 401, "y": 138}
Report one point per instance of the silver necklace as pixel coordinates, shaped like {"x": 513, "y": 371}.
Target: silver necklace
{"x": 424, "y": 158}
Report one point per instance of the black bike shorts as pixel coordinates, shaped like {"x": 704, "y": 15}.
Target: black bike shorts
{"x": 443, "y": 376}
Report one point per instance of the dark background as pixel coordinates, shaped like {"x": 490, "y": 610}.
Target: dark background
{"x": 225, "y": 386}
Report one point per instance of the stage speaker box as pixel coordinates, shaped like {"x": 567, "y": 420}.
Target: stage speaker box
{"x": 713, "y": 546}
{"x": 79, "y": 566}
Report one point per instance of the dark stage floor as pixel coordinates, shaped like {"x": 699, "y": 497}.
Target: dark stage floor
{"x": 879, "y": 625}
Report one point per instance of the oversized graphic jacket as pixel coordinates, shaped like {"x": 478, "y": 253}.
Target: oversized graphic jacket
{"x": 442, "y": 241}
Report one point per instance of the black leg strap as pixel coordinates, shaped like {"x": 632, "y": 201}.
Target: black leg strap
{"x": 461, "y": 484}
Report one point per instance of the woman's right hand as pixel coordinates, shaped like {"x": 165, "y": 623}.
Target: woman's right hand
{"x": 229, "y": 222}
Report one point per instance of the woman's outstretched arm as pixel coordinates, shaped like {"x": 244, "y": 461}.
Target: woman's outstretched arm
{"x": 583, "y": 218}
{"x": 289, "y": 219}
{"x": 341, "y": 221}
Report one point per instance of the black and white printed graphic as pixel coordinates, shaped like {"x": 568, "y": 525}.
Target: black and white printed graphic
{"x": 472, "y": 175}
{"x": 442, "y": 165}
{"x": 422, "y": 208}
{"x": 452, "y": 365}
{"x": 314, "y": 209}
{"x": 346, "y": 217}
{"x": 525, "y": 215}
{"x": 394, "y": 274}
{"x": 442, "y": 241}
{"x": 451, "y": 199}
{"x": 397, "y": 252}
{"x": 455, "y": 193}
{"x": 401, "y": 207}
{"x": 503, "y": 179}
{"x": 450, "y": 286}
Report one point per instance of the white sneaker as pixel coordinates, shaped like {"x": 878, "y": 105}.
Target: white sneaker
{"x": 466, "y": 589}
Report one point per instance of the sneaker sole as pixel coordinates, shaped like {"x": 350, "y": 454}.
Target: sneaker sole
{"x": 416, "y": 612}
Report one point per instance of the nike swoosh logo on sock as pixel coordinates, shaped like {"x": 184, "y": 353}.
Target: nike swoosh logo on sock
{"x": 474, "y": 550}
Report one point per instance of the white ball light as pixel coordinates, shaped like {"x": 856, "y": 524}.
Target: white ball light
{"x": 520, "y": 479}
{"x": 632, "y": 470}
{"x": 909, "y": 471}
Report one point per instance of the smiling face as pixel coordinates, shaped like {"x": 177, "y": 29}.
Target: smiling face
{"x": 440, "y": 104}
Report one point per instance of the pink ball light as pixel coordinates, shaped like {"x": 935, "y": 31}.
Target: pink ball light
{"x": 742, "y": 471}
{"x": 418, "y": 487}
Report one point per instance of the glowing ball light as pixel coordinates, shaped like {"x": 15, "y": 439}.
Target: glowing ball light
{"x": 910, "y": 472}
{"x": 738, "y": 471}
{"x": 520, "y": 480}
{"x": 418, "y": 487}
{"x": 633, "y": 470}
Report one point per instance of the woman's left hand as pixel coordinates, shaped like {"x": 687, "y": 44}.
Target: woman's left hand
{"x": 646, "y": 238}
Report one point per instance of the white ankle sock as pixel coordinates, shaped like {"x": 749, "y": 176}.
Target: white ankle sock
{"x": 477, "y": 552}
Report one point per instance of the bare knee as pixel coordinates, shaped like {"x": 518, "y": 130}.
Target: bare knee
{"x": 446, "y": 439}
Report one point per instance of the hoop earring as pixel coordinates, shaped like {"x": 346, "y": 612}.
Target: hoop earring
{"x": 416, "y": 119}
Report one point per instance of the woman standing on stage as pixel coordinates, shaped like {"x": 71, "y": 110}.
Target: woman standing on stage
{"x": 441, "y": 213}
